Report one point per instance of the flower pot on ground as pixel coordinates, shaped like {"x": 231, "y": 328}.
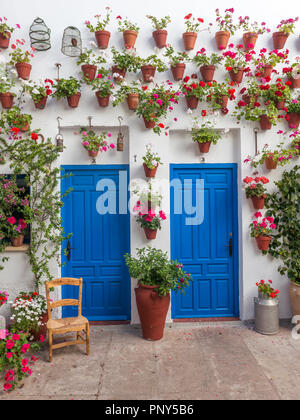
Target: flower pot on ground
{"x": 157, "y": 276}
{"x": 17, "y": 241}
{"x": 249, "y": 38}
{"x": 279, "y": 40}
{"x": 73, "y": 100}
{"x": 129, "y": 38}
{"x": 178, "y": 71}
{"x": 189, "y": 40}
{"x": 294, "y": 292}
{"x": 89, "y": 71}
{"x": 133, "y": 101}
{"x": 4, "y": 39}
{"x": 23, "y": 70}
{"x": 103, "y": 101}
{"x": 42, "y": 330}
{"x": 265, "y": 122}
{"x": 102, "y": 39}
{"x": 266, "y": 309}
{"x": 207, "y": 72}
{"x": 7, "y": 100}
{"x": 222, "y": 38}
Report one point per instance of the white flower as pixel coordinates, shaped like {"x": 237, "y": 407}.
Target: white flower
{"x": 93, "y": 44}
{"x": 35, "y": 91}
{"x": 189, "y": 111}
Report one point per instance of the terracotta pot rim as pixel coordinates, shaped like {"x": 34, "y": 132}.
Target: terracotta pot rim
{"x": 251, "y": 34}
{"x": 146, "y": 286}
{"x": 207, "y": 66}
{"x": 89, "y": 65}
{"x": 192, "y": 34}
{"x": 222, "y": 33}
{"x": 178, "y": 65}
{"x": 279, "y": 34}
{"x": 151, "y": 169}
{"x": 102, "y": 32}
{"x": 130, "y": 31}
{"x": 160, "y": 31}
{"x": 24, "y": 64}
{"x": 75, "y": 94}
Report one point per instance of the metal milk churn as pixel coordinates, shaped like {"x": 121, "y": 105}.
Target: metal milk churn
{"x": 266, "y": 314}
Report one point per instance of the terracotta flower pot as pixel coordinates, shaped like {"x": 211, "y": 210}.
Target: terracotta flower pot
{"x": 263, "y": 242}
{"x": 23, "y": 70}
{"x": 4, "y": 40}
{"x": 148, "y": 73}
{"x": 73, "y": 100}
{"x": 295, "y": 82}
{"x": 149, "y": 123}
{"x": 178, "y": 71}
{"x": 129, "y": 38}
{"x": 120, "y": 72}
{"x": 223, "y": 101}
{"x": 89, "y": 71}
{"x": 17, "y": 242}
{"x": 266, "y": 70}
{"x": 294, "y": 120}
{"x": 150, "y": 173}
{"x": 42, "y": 329}
{"x": 280, "y": 104}
{"x": 133, "y": 100}
{"x": 236, "y": 77}
{"x": 204, "y": 147}
{"x": 41, "y": 104}
{"x": 160, "y": 37}
{"x": 24, "y": 127}
{"x": 192, "y": 102}
{"x": 294, "y": 291}
{"x": 249, "y": 38}
{"x": 102, "y": 101}
{"x": 7, "y": 100}
{"x": 93, "y": 153}
{"x": 265, "y": 123}
{"x": 270, "y": 163}
{"x": 258, "y": 202}
{"x": 222, "y": 38}
{"x": 150, "y": 233}
{"x": 189, "y": 40}
{"x": 207, "y": 73}
{"x": 152, "y": 310}
{"x": 279, "y": 40}
{"x": 247, "y": 99}
{"x": 102, "y": 39}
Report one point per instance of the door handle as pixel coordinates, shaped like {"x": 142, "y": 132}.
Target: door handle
{"x": 68, "y": 252}
{"x": 230, "y": 245}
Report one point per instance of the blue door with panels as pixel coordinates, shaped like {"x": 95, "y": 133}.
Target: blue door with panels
{"x": 98, "y": 242}
{"x": 209, "y": 249}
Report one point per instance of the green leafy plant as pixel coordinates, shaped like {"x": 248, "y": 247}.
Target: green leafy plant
{"x": 254, "y": 112}
{"x": 103, "y": 84}
{"x": 126, "y": 25}
{"x": 146, "y": 194}
{"x": 101, "y": 24}
{"x": 152, "y": 267}
{"x": 66, "y": 87}
{"x": 215, "y": 93}
{"x": 267, "y": 290}
{"x": 151, "y": 159}
{"x": 124, "y": 90}
{"x": 175, "y": 58}
{"x": 287, "y": 26}
{"x": 95, "y": 142}
{"x": 255, "y": 187}
{"x": 88, "y": 57}
{"x": 205, "y": 132}
{"x": 201, "y": 59}
{"x": 274, "y": 57}
{"x": 280, "y": 155}
{"x": 126, "y": 59}
{"x": 14, "y": 118}
{"x": 293, "y": 106}
{"x": 6, "y": 84}
{"x": 154, "y": 61}
{"x": 19, "y": 56}
{"x": 4, "y": 27}
{"x": 38, "y": 90}
{"x": 159, "y": 24}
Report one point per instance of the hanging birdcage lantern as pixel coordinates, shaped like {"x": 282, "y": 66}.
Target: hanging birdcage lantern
{"x": 120, "y": 138}
{"x": 59, "y": 138}
{"x": 39, "y": 35}
{"x": 71, "y": 42}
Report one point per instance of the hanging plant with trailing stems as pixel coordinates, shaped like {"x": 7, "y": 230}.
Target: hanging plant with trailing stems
{"x": 37, "y": 162}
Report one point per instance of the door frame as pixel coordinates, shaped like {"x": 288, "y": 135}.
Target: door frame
{"x": 63, "y": 169}
{"x": 235, "y": 225}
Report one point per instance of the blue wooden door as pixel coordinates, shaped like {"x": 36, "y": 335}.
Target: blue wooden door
{"x": 98, "y": 243}
{"x": 208, "y": 250}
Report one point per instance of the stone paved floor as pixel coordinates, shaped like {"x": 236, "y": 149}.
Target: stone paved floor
{"x": 193, "y": 361}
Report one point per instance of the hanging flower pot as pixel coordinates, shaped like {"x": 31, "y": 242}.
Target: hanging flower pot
{"x": 207, "y": 72}
{"x": 223, "y": 101}
{"x": 189, "y": 40}
{"x": 148, "y": 73}
{"x": 102, "y": 101}
{"x": 295, "y": 83}
{"x": 120, "y": 72}
{"x": 279, "y": 40}
{"x": 73, "y": 100}
{"x": 152, "y": 309}
{"x": 7, "y": 100}
{"x": 129, "y": 38}
{"x": 25, "y": 127}
{"x": 266, "y": 70}
{"x": 102, "y": 39}
{"x": 247, "y": 99}
{"x": 41, "y": 104}
{"x": 192, "y": 102}
{"x": 263, "y": 242}
{"x": 204, "y": 147}
{"x": 258, "y": 202}
{"x": 265, "y": 123}
{"x": 150, "y": 233}
{"x": 149, "y": 123}
{"x": 294, "y": 119}
{"x": 270, "y": 163}
{"x": 17, "y": 242}
{"x": 133, "y": 101}
{"x": 93, "y": 153}
{"x": 249, "y": 38}
{"x": 23, "y": 70}
{"x": 236, "y": 76}
{"x": 150, "y": 173}
{"x": 178, "y": 71}
{"x": 222, "y": 38}
{"x": 160, "y": 37}
{"x": 89, "y": 71}
{"x": 4, "y": 40}
{"x": 280, "y": 104}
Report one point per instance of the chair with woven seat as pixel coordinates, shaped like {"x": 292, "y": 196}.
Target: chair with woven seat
{"x": 65, "y": 325}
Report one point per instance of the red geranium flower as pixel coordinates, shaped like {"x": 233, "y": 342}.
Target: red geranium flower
{"x": 188, "y": 16}
{"x": 203, "y": 113}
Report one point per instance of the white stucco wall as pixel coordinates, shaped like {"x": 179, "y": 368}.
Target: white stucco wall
{"x": 176, "y": 148}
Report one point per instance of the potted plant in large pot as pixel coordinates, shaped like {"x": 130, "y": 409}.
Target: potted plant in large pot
{"x": 157, "y": 276}
{"x": 192, "y": 26}
{"x": 255, "y": 189}
{"x": 149, "y": 66}
{"x": 251, "y": 31}
{"x": 151, "y": 161}
{"x": 177, "y": 62}
{"x": 129, "y": 93}
{"x": 226, "y": 28}
{"x": 39, "y": 92}
{"x": 284, "y": 29}
{"x": 6, "y": 96}
{"x": 266, "y": 308}
{"x": 21, "y": 60}
{"x": 207, "y": 64}
{"x": 68, "y": 88}
{"x": 104, "y": 87}
{"x": 124, "y": 61}
{"x": 130, "y": 31}
{"x": 204, "y": 135}
{"x": 89, "y": 62}
{"x": 160, "y": 34}
{"x": 102, "y": 36}
{"x": 95, "y": 143}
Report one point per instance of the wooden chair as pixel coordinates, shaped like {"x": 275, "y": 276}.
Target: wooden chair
{"x": 64, "y": 325}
